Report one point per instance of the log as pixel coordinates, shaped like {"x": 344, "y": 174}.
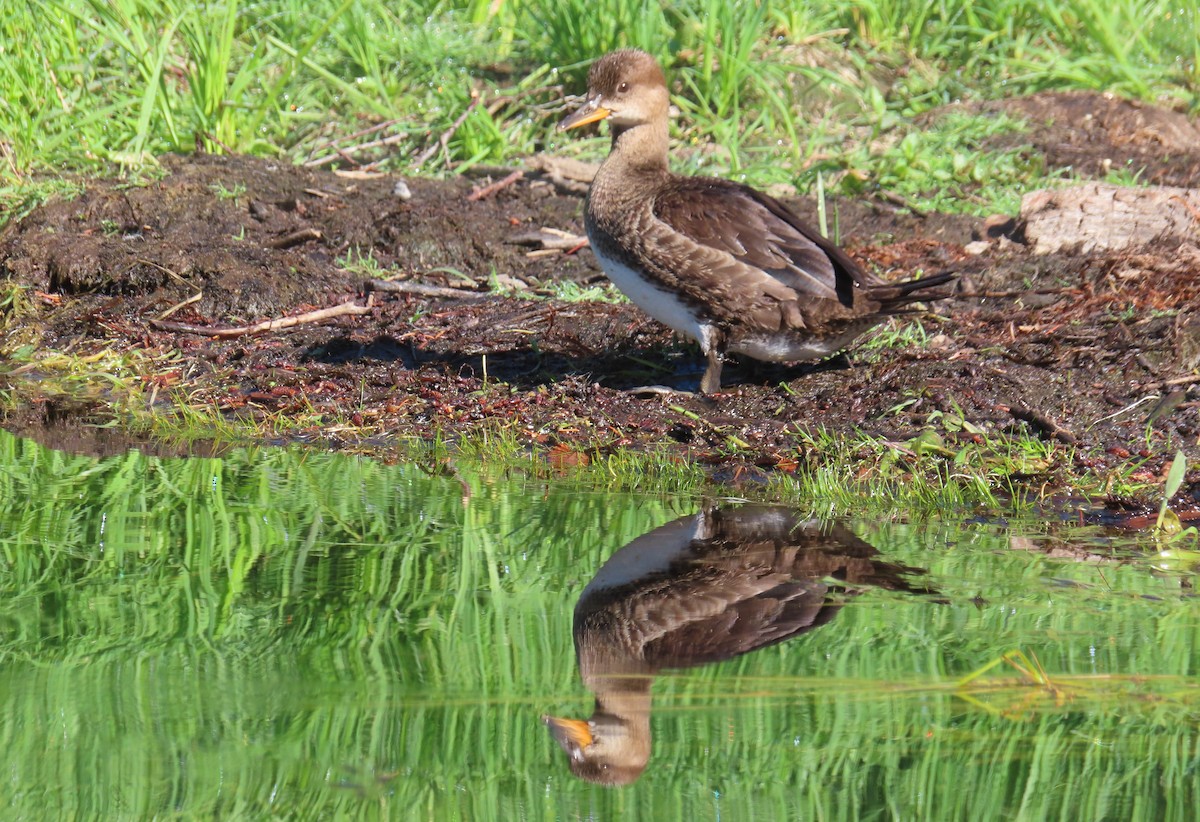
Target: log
{"x": 1098, "y": 217}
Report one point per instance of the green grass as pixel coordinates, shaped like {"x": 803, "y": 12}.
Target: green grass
{"x": 780, "y": 89}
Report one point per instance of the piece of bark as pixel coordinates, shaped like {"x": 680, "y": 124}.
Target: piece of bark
{"x": 573, "y": 176}
{"x": 549, "y": 238}
{"x": 1097, "y": 217}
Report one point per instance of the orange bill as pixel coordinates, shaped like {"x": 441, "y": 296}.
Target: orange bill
{"x": 589, "y": 112}
{"x": 573, "y": 735}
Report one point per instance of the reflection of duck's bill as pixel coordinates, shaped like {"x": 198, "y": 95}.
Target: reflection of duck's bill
{"x": 572, "y": 735}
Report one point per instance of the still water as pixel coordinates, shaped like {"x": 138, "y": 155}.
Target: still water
{"x": 281, "y": 634}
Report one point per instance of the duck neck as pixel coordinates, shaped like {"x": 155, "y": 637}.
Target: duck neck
{"x": 642, "y": 147}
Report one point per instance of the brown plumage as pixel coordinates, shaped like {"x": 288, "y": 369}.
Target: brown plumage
{"x": 699, "y": 590}
{"x": 713, "y": 259}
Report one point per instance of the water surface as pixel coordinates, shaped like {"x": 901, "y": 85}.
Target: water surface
{"x": 281, "y": 633}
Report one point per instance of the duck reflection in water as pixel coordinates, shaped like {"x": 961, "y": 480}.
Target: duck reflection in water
{"x": 699, "y": 590}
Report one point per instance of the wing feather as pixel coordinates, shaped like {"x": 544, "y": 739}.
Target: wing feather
{"x": 759, "y": 232}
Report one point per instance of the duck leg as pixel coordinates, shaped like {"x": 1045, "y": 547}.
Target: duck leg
{"x": 710, "y": 383}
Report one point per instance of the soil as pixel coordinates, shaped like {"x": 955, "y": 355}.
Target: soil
{"x": 1099, "y": 352}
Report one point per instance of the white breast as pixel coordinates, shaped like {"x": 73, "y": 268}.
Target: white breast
{"x": 662, "y": 305}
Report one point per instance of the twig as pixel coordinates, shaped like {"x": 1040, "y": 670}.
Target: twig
{"x": 1124, "y": 410}
{"x": 420, "y": 289}
{"x": 550, "y": 238}
{"x": 192, "y": 299}
{"x": 499, "y": 185}
{"x": 343, "y": 153}
{"x": 302, "y": 235}
{"x": 343, "y": 309}
{"x": 444, "y": 139}
{"x": 902, "y": 202}
{"x": 1025, "y": 293}
{"x": 1043, "y": 423}
{"x": 165, "y": 270}
{"x": 498, "y": 103}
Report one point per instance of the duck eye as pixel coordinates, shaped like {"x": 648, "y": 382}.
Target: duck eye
{"x": 624, "y": 87}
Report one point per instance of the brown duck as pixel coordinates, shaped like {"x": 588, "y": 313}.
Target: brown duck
{"x": 713, "y": 259}
{"x": 698, "y": 590}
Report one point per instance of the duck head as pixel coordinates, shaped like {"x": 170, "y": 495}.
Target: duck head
{"x": 606, "y": 749}
{"x": 625, "y": 87}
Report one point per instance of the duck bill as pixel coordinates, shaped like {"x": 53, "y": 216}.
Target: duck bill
{"x": 572, "y": 735}
{"x": 589, "y": 112}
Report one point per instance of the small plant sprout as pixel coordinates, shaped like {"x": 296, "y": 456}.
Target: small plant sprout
{"x": 1168, "y": 524}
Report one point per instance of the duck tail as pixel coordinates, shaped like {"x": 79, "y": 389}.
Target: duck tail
{"x": 893, "y": 296}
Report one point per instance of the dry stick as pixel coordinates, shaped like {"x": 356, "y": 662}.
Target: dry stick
{"x": 344, "y": 153}
{"x": 499, "y": 185}
{"x": 343, "y": 309}
{"x": 901, "y": 201}
{"x": 990, "y": 295}
{"x": 420, "y": 289}
{"x": 1177, "y": 199}
{"x": 498, "y": 103}
{"x": 339, "y": 152}
{"x": 444, "y": 139}
{"x": 302, "y": 235}
{"x": 495, "y": 105}
{"x": 192, "y": 299}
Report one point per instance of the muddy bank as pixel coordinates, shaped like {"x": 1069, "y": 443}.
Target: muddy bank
{"x": 1097, "y": 352}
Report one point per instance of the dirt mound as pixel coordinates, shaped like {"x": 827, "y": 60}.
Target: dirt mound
{"x": 253, "y": 236}
{"x": 1093, "y": 133}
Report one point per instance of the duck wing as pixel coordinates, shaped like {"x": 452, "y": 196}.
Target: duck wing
{"x": 761, "y": 235}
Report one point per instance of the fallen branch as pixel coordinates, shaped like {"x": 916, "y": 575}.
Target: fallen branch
{"x": 550, "y": 238}
{"x": 420, "y": 289}
{"x": 1010, "y": 295}
{"x": 302, "y": 235}
{"x": 499, "y": 185}
{"x": 263, "y": 327}
{"x": 555, "y": 105}
{"x": 571, "y": 176}
{"x": 900, "y": 201}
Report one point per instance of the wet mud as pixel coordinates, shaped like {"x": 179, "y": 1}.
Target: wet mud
{"x": 1098, "y": 352}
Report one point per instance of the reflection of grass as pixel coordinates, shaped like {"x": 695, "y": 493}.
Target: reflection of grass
{"x": 340, "y": 637}
{"x": 1033, "y": 675}
{"x": 1034, "y": 693}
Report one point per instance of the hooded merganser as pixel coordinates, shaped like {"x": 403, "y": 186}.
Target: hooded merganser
{"x": 713, "y": 259}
